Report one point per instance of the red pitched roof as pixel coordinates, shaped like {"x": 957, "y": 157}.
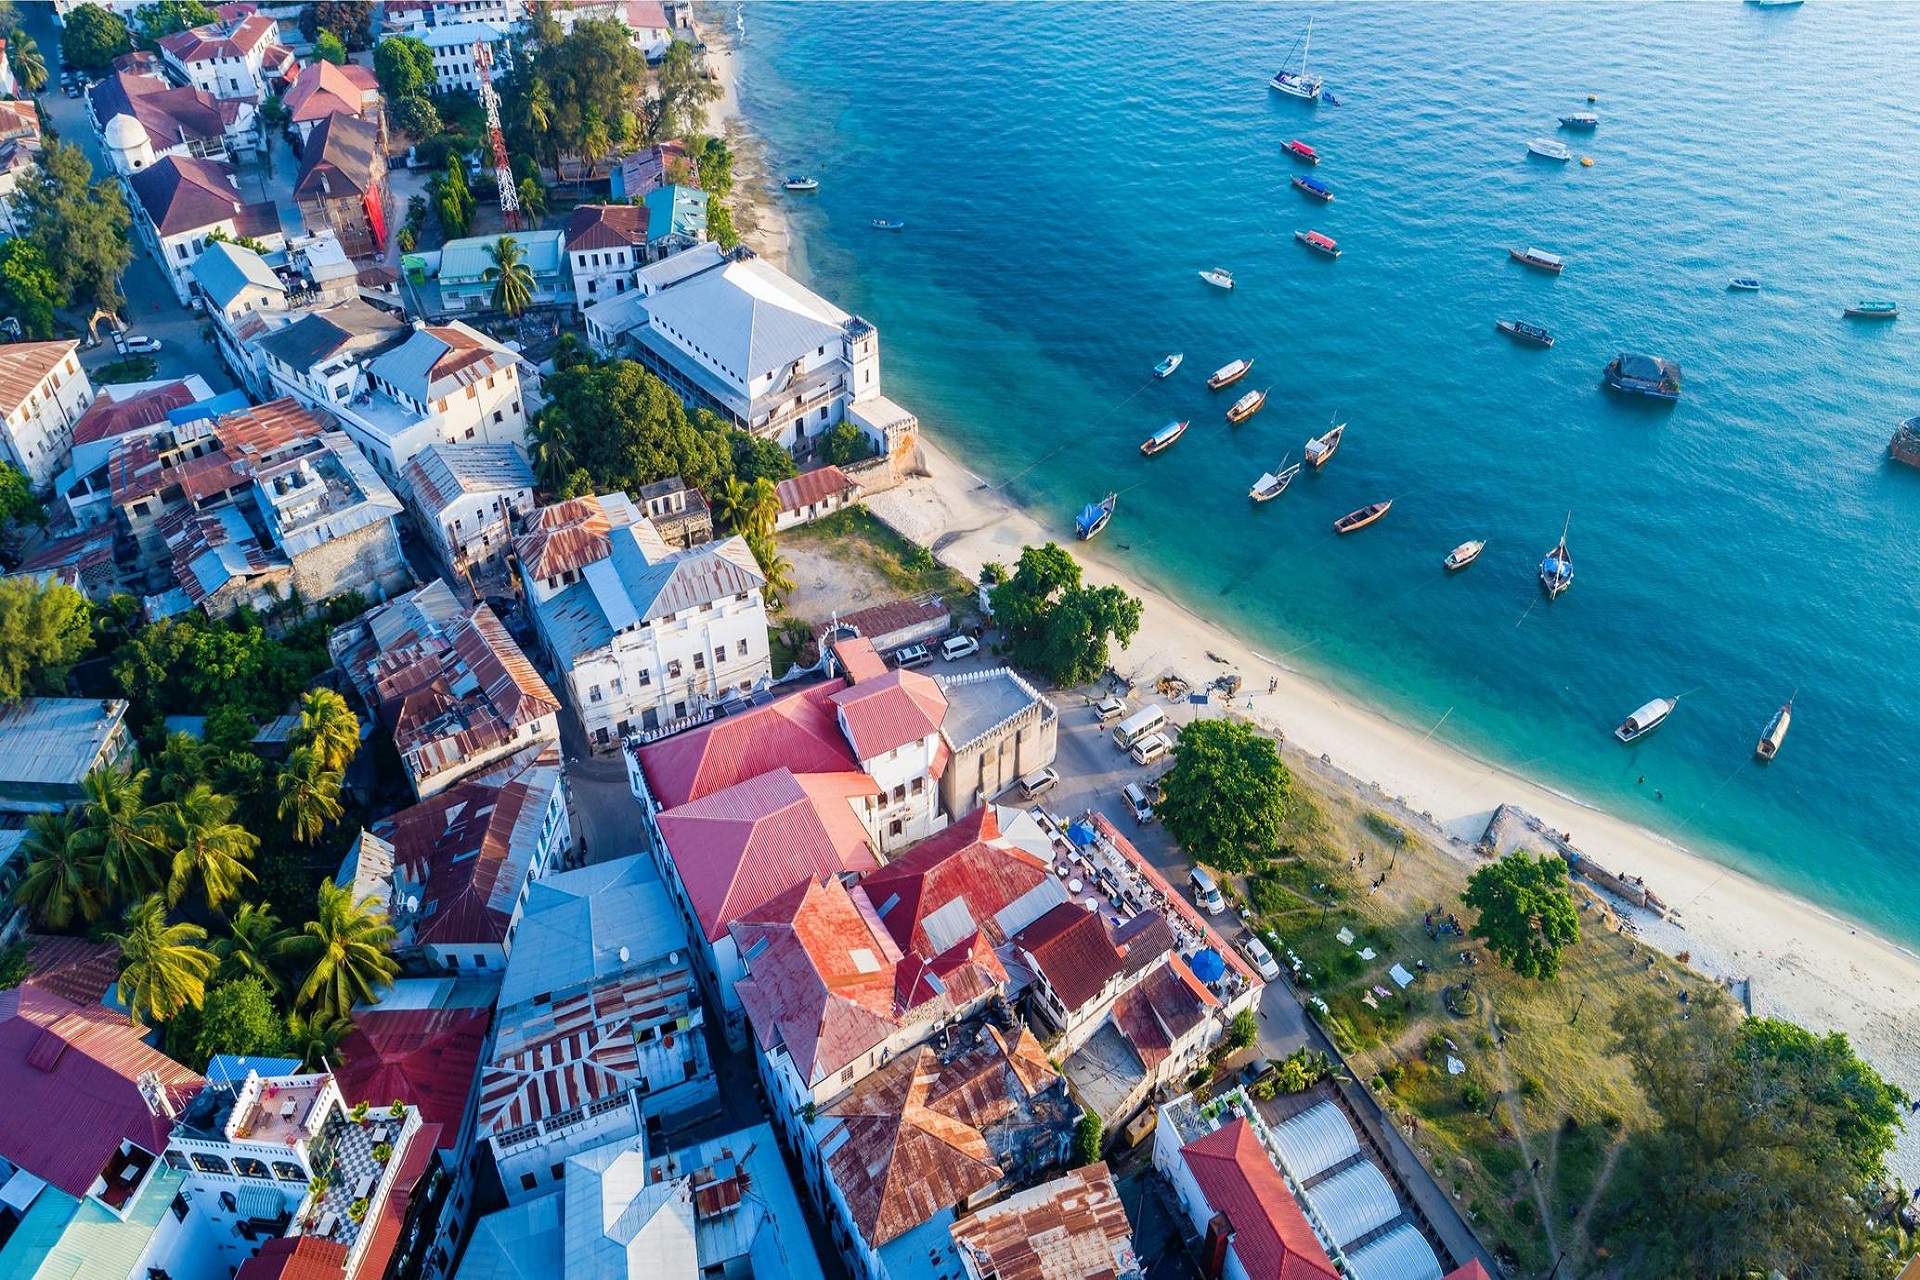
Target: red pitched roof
{"x": 1472, "y": 1271}
{"x": 607, "y": 226}
{"x": 814, "y": 486}
{"x": 958, "y": 863}
{"x": 859, "y": 659}
{"x": 890, "y": 711}
{"x": 427, "y": 1058}
{"x": 1079, "y": 952}
{"x": 413, "y": 1160}
{"x": 322, "y": 89}
{"x": 296, "y": 1258}
{"x": 1270, "y": 1233}
{"x": 115, "y": 413}
{"x": 73, "y": 968}
{"x": 798, "y": 732}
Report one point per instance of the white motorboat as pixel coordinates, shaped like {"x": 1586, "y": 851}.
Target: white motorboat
{"x": 1550, "y": 149}
{"x": 1166, "y": 367}
{"x": 1646, "y": 719}
{"x": 1218, "y": 277}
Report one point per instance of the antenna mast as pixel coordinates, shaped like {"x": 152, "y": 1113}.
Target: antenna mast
{"x": 502, "y": 167}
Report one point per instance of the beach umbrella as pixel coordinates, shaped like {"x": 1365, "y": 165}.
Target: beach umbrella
{"x": 1080, "y": 833}
{"x": 1207, "y": 965}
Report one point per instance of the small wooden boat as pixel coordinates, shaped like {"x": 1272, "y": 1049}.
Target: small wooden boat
{"x": 1646, "y": 719}
{"x": 1318, "y": 243}
{"x": 1354, "y": 521}
{"x": 1166, "y": 367}
{"x": 1580, "y": 120}
{"x": 1464, "y": 554}
{"x": 1521, "y": 331}
{"x": 1744, "y": 284}
{"x": 1556, "y": 567}
{"x": 1539, "y": 258}
{"x": 1306, "y": 184}
{"x": 1549, "y": 149}
{"x": 1246, "y": 406}
{"x": 1218, "y": 277}
{"x": 1228, "y": 374}
{"x": 887, "y": 224}
{"x": 800, "y": 182}
{"x": 1775, "y": 733}
{"x": 1164, "y": 438}
{"x": 1301, "y": 151}
{"x": 1322, "y": 447}
{"x": 1874, "y": 309}
{"x": 1637, "y": 375}
{"x": 1905, "y": 445}
{"x": 1272, "y": 484}
{"x": 1094, "y": 517}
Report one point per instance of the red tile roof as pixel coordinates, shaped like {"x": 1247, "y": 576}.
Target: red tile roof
{"x": 427, "y": 1058}
{"x": 115, "y": 413}
{"x": 1167, "y": 1005}
{"x": 25, "y": 365}
{"x": 183, "y": 193}
{"x": 1472, "y": 1271}
{"x": 296, "y": 1258}
{"x": 1079, "y": 952}
{"x": 960, "y": 863}
{"x": 607, "y": 226}
{"x": 322, "y": 89}
{"x": 890, "y": 711}
{"x": 231, "y": 41}
{"x": 1270, "y": 1233}
{"x": 799, "y": 732}
{"x": 814, "y": 486}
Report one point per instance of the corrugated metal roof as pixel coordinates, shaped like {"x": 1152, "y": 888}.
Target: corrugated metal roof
{"x": 814, "y": 486}
{"x": 966, "y": 864}
{"x": 749, "y": 318}
{"x": 428, "y": 1058}
{"x": 1401, "y": 1254}
{"x": 1072, "y": 1228}
{"x": 225, "y": 271}
{"x": 890, "y": 711}
{"x": 443, "y": 474}
{"x": 800, "y": 731}
{"x": 575, "y": 924}
{"x": 25, "y": 365}
{"x": 55, "y": 741}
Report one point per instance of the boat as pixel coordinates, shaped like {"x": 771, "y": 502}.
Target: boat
{"x": 1166, "y": 367}
{"x": 1775, "y": 733}
{"x": 1309, "y": 185}
{"x": 800, "y": 182}
{"x": 1745, "y": 284}
{"x": 1093, "y": 517}
{"x": 887, "y": 224}
{"x": 1303, "y": 84}
{"x": 1228, "y": 374}
{"x": 1521, "y": 331}
{"x": 1354, "y": 521}
{"x": 1301, "y": 151}
{"x": 1905, "y": 445}
{"x": 1539, "y": 258}
{"x": 1246, "y": 406}
{"x": 1556, "y": 567}
{"x": 1318, "y": 243}
{"x": 1322, "y": 447}
{"x": 1580, "y": 120}
{"x": 1550, "y": 149}
{"x": 1218, "y": 277}
{"x": 1272, "y": 484}
{"x": 1874, "y": 309}
{"x": 1638, "y": 375}
{"x": 1464, "y": 554}
{"x": 1646, "y": 719}
{"x": 1164, "y": 438}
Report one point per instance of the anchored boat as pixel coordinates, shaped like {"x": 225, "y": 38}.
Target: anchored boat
{"x": 1246, "y": 406}
{"x": 1272, "y": 484}
{"x": 1877, "y": 309}
{"x": 1905, "y": 445}
{"x": 1166, "y": 367}
{"x": 1357, "y": 520}
{"x": 1322, "y": 447}
{"x": 1539, "y": 259}
{"x": 1228, "y": 374}
{"x": 1646, "y": 719}
{"x": 1744, "y": 284}
{"x": 800, "y": 182}
{"x": 1309, "y": 185}
{"x": 1638, "y": 375}
{"x": 1301, "y": 84}
{"x": 1094, "y": 516}
{"x": 1775, "y": 733}
{"x": 1164, "y": 438}
{"x": 1218, "y": 277}
{"x": 1556, "y": 567}
{"x": 1550, "y": 149}
{"x": 1318, "y": 243}
{"x": 887, "y": 224}
{"x": 1521, "y": 331}
{"x": 1464, "y": 554}
{"x": 1301, "y": 151}
{"x": 1581, "y": 120}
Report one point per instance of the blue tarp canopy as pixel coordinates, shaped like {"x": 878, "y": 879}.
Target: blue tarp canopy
{"x": 1207, "y": 965}
{"x": 1080, "y": 833}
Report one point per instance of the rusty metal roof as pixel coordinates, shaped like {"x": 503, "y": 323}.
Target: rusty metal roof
{"x": 1072, "y": 1228}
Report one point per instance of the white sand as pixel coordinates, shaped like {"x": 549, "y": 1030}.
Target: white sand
{"x": 757, "y": 212}
{"x": 1805, "y": 964}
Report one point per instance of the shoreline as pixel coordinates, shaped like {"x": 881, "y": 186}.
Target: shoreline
{"x": 757, "y": 214}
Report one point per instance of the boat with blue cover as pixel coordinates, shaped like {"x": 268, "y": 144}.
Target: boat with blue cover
{"x": 887, "y": 224}
{"x": 1636, "y": 375}
{"x": 1094, "y": 517}
{"x": 1878, "y": 309}
{"x": 1164, "y": 438}
{"x": 1744, "y": 284}
{"x": 1166, "y": 367}
{"x": 1556, "y": 567}
{"x": 1306, "y": 184}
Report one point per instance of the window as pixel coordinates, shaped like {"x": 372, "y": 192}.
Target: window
{"x": 479, "y": 961}
{"x": 899, "y": 793}
{"x": 719, "y": 655}
{"x": 743, "y": 648}
{"x": 559, "y": 1171}
{"x": 646, "y": 678}
{"x": 528, "y": 1182}
{"x": 470, "y": 429}
{"x": 896, "y": 827}
{"x": 919, "y": 785}
{"x": 700, "y": 660}
{"x": 593, "y": 694}
{"x": 673, "y": 669}
{"x": 679, "y": 710}
{"x": 617, "y": 685}
{"x": 497, "y": 417}
{"x": 453, "y": 961}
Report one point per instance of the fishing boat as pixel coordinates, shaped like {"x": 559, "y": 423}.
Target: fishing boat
{"x": 1166, "y": 367}
{"x": 1775, "y": 733}
{"x": 1580, "y": 120}
{"x": 1874, "y": 309}
{"x": 1307, "y": 184}
{"x": 1354, "y": 521}
{"x": 1905, "y": 445}
{"x": 1228, "y": 374}
{"x": 1318, "y": 243}
{"x": 1744, "y": 284}
{"x": 1637, "y": 375}
{"x": 1246, "y": 406}
{"x": 1218, "y": 277}
{"x": 1322, "y": 447}
{"x": 1464, "y": 554}
{"x": 1521, "y": 331}
{"x": 801, "y": 182}
{"x": 1301, "y": 84}
{"x": 1272, "y": 484}
{"x": 1301, "y": 151}
{"x": 1646, "y": 719}
{"x": 1556, "y": 567}
{"x": 1539, "y": 258}
{"x": 1093, "y": 517}
{"x": 1550, "y": 149}
{"x": 1164, "y": 438}
{"x": 887, "y": 224}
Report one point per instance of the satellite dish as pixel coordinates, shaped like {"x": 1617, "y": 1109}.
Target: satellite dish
{"x": 673, "y": 957}
{"x": 623, "y": 955}
{"x": 413, "y": 902}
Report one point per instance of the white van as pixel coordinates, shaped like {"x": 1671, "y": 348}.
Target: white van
{"x": 1149, "y": 719}
{"x": 1151, "y": 748}
{"x": 1137, "y": 801}
{"x": 1038, "y": 783}
{"x": 1206, "y": 894}
{"x": 957, "y": 647}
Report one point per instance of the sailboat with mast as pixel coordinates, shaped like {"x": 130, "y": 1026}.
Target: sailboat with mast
{"x": 1556, "y": 568}
{"x": 1302, "y": 84}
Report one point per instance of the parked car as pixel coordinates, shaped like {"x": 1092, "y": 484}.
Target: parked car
{"x": 143, "y": 346}
{"x": 1038, "y": 783}
{"x": 1262, "y": 959}
{"x": 958, "y": 647}
{"x": 1137, "y": 801}
{"x": 1206, "y": 894}
{"x": 1150, "y": 748}
{"x": 1108, "y": 709}
{"x": 914, "y": 655}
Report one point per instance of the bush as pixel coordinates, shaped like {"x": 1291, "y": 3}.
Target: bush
{"x": 845, "y": 444}
{"x": 1473, "y": 1096}
{"x": 1386, "y": 828}
{"x": 1243, "y": 1030}
{"x": 1086, "y": 1139}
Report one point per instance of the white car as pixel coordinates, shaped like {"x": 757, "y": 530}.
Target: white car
{"x": 143, "y": 346}
{"x": 1262, "y": 959}
{"x": 958, "y": 647}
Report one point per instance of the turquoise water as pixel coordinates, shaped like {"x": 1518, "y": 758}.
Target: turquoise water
{"x": 1065, "y": 170}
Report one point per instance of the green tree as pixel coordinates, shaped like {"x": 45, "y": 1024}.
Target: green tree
{"x": 533, "y": 199}
{"x": 61, "y": 885}
{"x": 92, "y": 38}
{"x": 30, "y": 290}
{"x": 713, "y": 159}
{"x": 417, "y": 117}
{"x": 315, "y": 1039}
{"x": 1243, "y": 1030}
{"x": 777, "y": 568}
{"x": 44, "y": 630}
{"x": 453, "y": 201}
{"x": 1056, "y": 626}
{"x": 758, "y": 458}
{"x": 350, "y": 21}
{"x": 166, "y": 17}
{"x": 347, "y": 949}
{"x": 255, "y": 946}
{"x": 512, "y": 277}
{"x": 404, "y": 67}
{"x": 29, "y": 66}
{"x": 124, "y": 832}
{"x": 535, "y": 121}
{"x": 274, "y": 116}
{"x": 550, "y": 450}
{"x": 328, "y": 725}
{"x": 685, "y": 91}
{"x": 1866, "y": 1112}
{"x": 238, "y": 1018}
{"x": 845, "y": 445}
{"x": 1228, "y": 793}
{"x": 80, "y": 226}
{"x": 592, "y": 73}
{"x": 720, "y": 228}
{"x": 163, "y": 967}
{"x": 19, "y": 505}
{"x": 309, "y": 795}
{"x": 328, "y": 47}
{"x": 1086, "y": 1139}
{"x": 1527, "y": 915}
{"x": 210, "y": 850}
{"x": 180, "y": 766}
{"x": 626, "y": 429}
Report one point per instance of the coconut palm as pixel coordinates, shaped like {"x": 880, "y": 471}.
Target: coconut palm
{"x": 594, "y": 146}
{"x": 29, "y": 67}
{"x": 124, "y": 831}
{"x": 163, "y": 967}
{"x": 533, "y": 199}
{"x": 536, "y": 113}
{"x": 730, "y": 502}
{"x": 309, "y": 795}
{"x": 329, "y": 726}
{"x": 552, "y": 453}
{"x": 762, "y": 509}
{"x": 316, "y": 1039}
{"x": 512, "y": 278}
{"x": 62, "y": 881}
{"x": 255, "y": 947}
{"x": 348, "y": 950}
{"x": 208, "y": 846}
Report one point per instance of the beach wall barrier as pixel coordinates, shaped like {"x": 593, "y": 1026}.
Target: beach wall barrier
{"x": 1512, "y": 828}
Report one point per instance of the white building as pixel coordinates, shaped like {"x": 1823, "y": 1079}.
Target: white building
{"x": 645, "y": 20}
{"x": 606, "y": 245}
{"x": 454, "y": 66}
{"x": 142, "y": 116}
{"x": 465, "y": 498}
{"x": 504, "y": 14}
{"x": 43, "y": 392}
{"x": 238, "y": 59}
{"x": 179, "y": 201}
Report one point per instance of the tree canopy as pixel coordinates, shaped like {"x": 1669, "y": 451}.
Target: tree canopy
{"x": 845, "y": 444}
{"x": 350, "y": 21}
{"x": 80, "y": 226}
{"x": 684, "y": 91}
{"x": 622, "y": 428}
{"x": 1227, "y": 794}
{"x": 44, "y": 630}
{"x": 1527, "y": 916}
{"x": 404, "y": 67}
{"x": 1056, "y": 626}
{"x": 328, "y": 47}
{"x": 165, "y": 17}
{"x": 92, "y": 37}
{"x": 238, "y": 1017}
{"x": 585, "y": 81}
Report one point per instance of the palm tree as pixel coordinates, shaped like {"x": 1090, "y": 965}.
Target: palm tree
{"x": 62, "y": 879}
{"x": 309, "y": 795}
{"x": 348, "y": 948}
{"x": 124, "y": 831}
{"x": 29, "y": 67}
{"x": 533, "y": 199}
{"x": 762, "y": 509}
{"x": 594, "y": 146}
{"x": 552, "y": 453}
{"x": 329, "y": 726}
{"x": 512, "y": 278}
{"x": 730, "y": 502}
{"x": 536, "y": 114}
{"x": 163, "y": 967}
{"x": 316, "y": 1038}
{"x": 778, "y": 569}
{"x": 208, "y": 846}
{"x": 254, "y": 947}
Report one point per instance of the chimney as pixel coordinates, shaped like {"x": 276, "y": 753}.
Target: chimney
{"x": 1213, "y": 1250}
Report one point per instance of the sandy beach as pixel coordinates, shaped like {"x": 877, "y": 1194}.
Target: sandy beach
{"x": 757, "y": 214}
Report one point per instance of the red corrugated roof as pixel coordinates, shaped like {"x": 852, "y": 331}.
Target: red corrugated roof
{"x": 1472, "y": 1271}
{"x": 296, "y": 1258}
{"x": 889, "y": 711}
{"x": 799, "y": 732}
{"x": 114, "y": 413}
{"x": 1270, "y": 1234}
{"x": 814, "y": 486}
{"x": 427, "y": 1058}
{"x": 858, "y": 657}
{"x": 959, "y": 862}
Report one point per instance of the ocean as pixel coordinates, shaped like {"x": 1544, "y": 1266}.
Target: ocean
{"x": 1065, "y": 170}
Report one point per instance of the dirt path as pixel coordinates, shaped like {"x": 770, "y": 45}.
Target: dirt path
{"x": 1541, "y": 1200}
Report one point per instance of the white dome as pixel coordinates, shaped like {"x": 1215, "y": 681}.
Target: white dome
{"x": 124, "y": 133}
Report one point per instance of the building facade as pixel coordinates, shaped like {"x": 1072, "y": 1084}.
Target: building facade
{"x": 43, "y": 392}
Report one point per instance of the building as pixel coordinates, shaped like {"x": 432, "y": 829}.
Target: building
{"x": 452, "y": 46}
{"x": 646, "y": 22}
{"x": 813, "y": 494}
{"x": 141, "y": 118}
{"x": 606, "y": 245}
{"x": 322, "y": 89}
{"x": 465, "y": 499}
{"x": 678, "y": 510}
{"x": 19, "y": 153}
{"x": 636, "y": 175}
{"x": 888, "y": 627}
{"x": 997, "y": 730}
{"x": 643, "y": 633}
{"x": 121, "y": 410}
{"x": 43, "y": 392}
{"x": 236, "y": 283}
{"x": 504, "y": 14}
{"x": 464, "y": 264}
{"x": 448, "y": 682}
{"x": 676, "y": 219}
{"x": 179, "y": 201}
{"x": 1083, "y": 961}
{"x": 342, "y": 184}
{"x": 48, "y": 746}
{"x": 241, "y": 58}
{"x": 1072, "y": 1228}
